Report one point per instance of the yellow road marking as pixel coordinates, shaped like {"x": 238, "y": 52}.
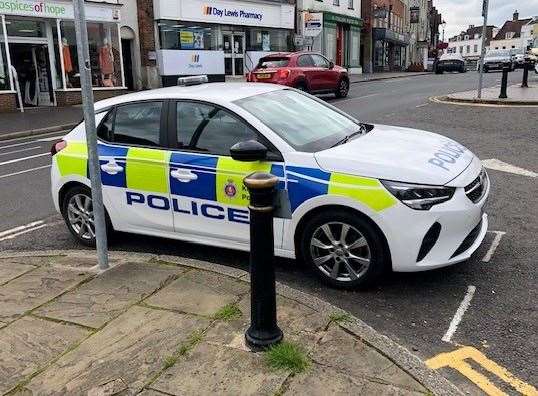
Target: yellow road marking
{"x": 456, "y": 360}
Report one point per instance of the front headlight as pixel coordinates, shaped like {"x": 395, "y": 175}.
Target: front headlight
{"x": 419, "y": 196}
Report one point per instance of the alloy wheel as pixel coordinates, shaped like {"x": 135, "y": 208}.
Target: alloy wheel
{"x": 80, "y": 216}
{"x": 343, "y": 88}
{"x": 340, "y": 251}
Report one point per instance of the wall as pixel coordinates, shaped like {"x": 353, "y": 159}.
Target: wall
{"x": 146, "y": 26}
{"x": 507, "y": 44}
{"x": 464, "y": 44}
{"x": 8, "y": 102}
{"x": 328, "y": 5}
{"x": 69, "y": 98}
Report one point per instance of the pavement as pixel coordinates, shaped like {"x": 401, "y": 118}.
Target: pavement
{"x": 516, "y": 95}
{"x": 497, "y": 332}
{"x": 156, "y": 325}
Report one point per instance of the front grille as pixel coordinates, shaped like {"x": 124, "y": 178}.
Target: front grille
{"x": 478, "y": 187}
{"x": 468, "y": 241}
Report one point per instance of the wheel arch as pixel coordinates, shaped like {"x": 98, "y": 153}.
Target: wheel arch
{"x": 332, "y": 207}
{"x": 66, "y": 187}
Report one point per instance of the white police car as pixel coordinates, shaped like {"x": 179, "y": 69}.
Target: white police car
{"x": 359, "y": 198}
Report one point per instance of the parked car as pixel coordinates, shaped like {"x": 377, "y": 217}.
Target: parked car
{"x": 520, "y": 57}
{"x": 450, "y": 63}
{"x": 307, "y": 71}
{"x": 497, "y": 59}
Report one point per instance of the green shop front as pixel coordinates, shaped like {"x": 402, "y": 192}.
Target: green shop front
{"x": 341, "y": 40}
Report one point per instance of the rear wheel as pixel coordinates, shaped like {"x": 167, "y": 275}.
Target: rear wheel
{"x": 343, "y": 88}
{"x": 77, "y": 211}
{"x": 344, "y": 250}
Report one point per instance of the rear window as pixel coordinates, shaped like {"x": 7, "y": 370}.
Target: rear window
{"x": 273, "y": 62}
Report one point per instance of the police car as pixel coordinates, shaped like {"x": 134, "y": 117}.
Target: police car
{"x": 355, "y": 199}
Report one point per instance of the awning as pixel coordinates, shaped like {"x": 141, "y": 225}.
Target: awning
{"x": 332, "y": 18}
{"x": 391, "y": 36}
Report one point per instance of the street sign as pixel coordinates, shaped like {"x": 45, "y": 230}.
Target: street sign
{"x": 312, "y": 23}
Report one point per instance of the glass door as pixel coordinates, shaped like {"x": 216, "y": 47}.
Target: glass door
{"x": 234, "y": 53}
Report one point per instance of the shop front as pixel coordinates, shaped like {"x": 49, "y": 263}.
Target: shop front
{"x": 38, "y": 53}
{"x": 219, "y": 38}
{"x": 389, "y": 50}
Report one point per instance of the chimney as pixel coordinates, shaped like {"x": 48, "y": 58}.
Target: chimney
{"x": 516, "y": 15}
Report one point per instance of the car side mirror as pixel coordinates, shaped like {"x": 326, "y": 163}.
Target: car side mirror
{"x": 331, "y": 65}
{"x": 248, "y": 151}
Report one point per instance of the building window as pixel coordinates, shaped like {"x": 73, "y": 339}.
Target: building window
{"x": 5, "y": 84}
{"x": 105, "y": 60}
{"x": 336, "y": 2}
{"x": 267, "y": 39}
{"x": 468, "y": 49}
{"x": 476, "y": 48}
{"x": 461, "y": 49}
{"x": 350, "y": 4}
{"x": 187, "y": 35}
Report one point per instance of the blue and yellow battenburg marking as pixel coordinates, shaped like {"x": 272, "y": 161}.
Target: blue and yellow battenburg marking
{"x": 219, "y": 178}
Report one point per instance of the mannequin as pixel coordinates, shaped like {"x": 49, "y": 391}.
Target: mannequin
{"x": 68, "y": 64}
{"x": 106, "y": 63}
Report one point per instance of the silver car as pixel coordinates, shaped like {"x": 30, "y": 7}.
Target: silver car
{"x": 498, "y": 59}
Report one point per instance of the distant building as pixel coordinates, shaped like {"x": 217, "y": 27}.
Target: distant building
{"x": 509, "y": 36}
{"x": 469, "y": 42}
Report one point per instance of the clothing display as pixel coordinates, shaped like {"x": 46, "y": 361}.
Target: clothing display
{"x": 68, "y": 64}
{"x": 106, "y": 60}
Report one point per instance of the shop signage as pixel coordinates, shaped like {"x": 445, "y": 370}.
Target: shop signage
{"x": 414, "y": 14}
{"x": 227, "y": 12}
{"x": 312, "y": 23}
{"x": 187, "y": 62}
{"x": 330, "y": 17}
{"x": 50, "y": 9}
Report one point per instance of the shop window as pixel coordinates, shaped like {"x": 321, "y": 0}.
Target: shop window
{"x": 188, "y": 36}
{"x": 329, "y": 47}
{"x": 25, "y": 28}
{"x": 104, "y": 49}
{"x": 4, "y": 67}
{"x": 268, "y": 40}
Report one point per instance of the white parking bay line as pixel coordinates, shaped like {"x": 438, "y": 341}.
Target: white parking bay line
{"x": 24, "y": 171}
{"x": 499, "y": 165}
{"x": 12, "y": 236}
{"x": 21, "y": 228}
{"x": 459, "y": 314}
{"x": 23, "y": 159}
{"x": 422, "y": 105}
{"x": 494, "y": 244}
{"x": 50, "y": 139}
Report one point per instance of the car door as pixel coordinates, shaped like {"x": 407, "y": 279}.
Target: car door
{"x": 208, "y": 196}
{"x": 306, "y": 64}
{"x": 328, "y": 76}
{"x": 134, "y": 165}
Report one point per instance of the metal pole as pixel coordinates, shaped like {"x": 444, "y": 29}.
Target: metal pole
{"x": 91, "y": 135}
{"x": 504, "y": 83}
{"x": 525, "y": 82}
{"x": 263, "y": 330}
{"x": 485, "y": 6}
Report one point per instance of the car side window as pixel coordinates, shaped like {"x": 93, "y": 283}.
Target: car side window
{"x": 320, "y": 61}
{"x": 210, "y": 129}
{"x": 138, "y": 123}
{"x": 305, "y": 61}
{"x": 104, "y": 131}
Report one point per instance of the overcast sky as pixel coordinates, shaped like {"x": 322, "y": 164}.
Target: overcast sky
{"x": 459, "y": 14}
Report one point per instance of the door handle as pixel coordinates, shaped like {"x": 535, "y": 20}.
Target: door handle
{"x": 183, "y": 175}
{"x": 112, "y": 168}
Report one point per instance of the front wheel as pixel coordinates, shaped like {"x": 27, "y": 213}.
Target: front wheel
{"x": 343, "y": 88}
{"x": 77, "y": 211}
{"x": 344, "y": 250}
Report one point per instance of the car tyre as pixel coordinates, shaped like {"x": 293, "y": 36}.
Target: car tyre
{"x": 344, "y": 250}
{"x": 77, "y": 212}
{"x": 343, "y": 88}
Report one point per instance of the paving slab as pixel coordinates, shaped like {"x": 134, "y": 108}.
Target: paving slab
{"x": 131, "y": 348}
{"x": 350, "y": 355}
{"x": 11, "y": 270}
{"x": 35, "y": 288}
{"x": 109, "y": 294}
{"x": 199, "y": 292}
{"x": 321, "y": 380}
{"x": 213, "y": 369}
{"x": 28, "y": 344}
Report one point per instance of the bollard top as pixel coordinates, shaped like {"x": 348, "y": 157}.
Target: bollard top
{"x": 260, "y": 180}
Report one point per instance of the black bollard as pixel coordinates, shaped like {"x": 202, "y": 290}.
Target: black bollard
{"x": 263, "y": 331}
{"x": 504, "y": 82}
{"x": 525, "y": 82}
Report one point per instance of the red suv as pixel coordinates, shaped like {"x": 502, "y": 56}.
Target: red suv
{"x": 307, "y": 71}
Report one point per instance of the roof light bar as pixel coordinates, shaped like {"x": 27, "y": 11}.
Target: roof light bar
{"x": 192, "y": 80}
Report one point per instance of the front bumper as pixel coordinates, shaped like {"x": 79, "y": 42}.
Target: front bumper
{"x": 462, "y": 226}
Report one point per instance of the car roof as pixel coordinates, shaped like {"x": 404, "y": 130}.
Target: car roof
{"x": 211, "y": 92}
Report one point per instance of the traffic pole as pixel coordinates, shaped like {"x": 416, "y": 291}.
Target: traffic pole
{"x": 263, "y": 331}
{"x": 485, "y": 6}
{"x": 91, "y": 134}
{"x": 504, "y": 83}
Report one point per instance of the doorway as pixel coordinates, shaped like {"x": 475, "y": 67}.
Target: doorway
{"x": 126, "y": 46}
{"x": 234, "y": 54}
{"x": 34, "y": 73}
